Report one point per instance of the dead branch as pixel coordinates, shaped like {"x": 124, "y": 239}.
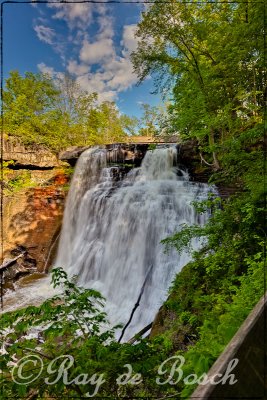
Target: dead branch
{"x": 9, "y": 263}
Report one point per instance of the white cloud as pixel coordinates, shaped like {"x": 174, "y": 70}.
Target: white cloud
{"x": 44, "y": 69}
{"x": 97, "y": 82}
{"x": 117, "y": 72}
{"x": 49, "y": 36}
{"x": 102, "y": 47}
{"x": 123, "y": 76}
{"x": 121, "y": 67}
{"x": 100, "y": 52}
{"x": 103, "y": 95}
{"x": 96, "y": 52}
{"x": 106, "y": 29}
{"x": 77, "y": 15}
{"x": 44, "y": 33}
{"x": 76, "y": 69}
{"x": 129, "y": 42}
{"x": 110, "y": 95}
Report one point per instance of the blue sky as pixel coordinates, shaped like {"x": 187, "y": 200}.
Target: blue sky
{"x": 93, "y": 42}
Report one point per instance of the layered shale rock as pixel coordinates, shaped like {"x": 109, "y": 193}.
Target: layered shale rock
{"x": 34, "y": 195}
{"x": 28, "y": 156}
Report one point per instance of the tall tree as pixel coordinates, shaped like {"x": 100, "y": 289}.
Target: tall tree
{"x": 212, "y": 54}
{"x": 28, "y": 102}
{"x": 58, "y": 113}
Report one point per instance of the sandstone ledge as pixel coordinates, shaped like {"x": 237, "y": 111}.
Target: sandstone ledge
{"x": 28, "y": 156}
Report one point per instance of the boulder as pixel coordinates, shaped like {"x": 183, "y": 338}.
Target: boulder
{"x": 71, "y": 154}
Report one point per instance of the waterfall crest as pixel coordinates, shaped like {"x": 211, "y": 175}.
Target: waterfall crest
{"x": 113, "y": 226}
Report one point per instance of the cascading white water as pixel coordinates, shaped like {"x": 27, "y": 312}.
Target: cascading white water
{"x": 112, "y": 231}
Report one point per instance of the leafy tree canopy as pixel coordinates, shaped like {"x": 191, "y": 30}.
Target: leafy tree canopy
{"x": 57, "y": 113}
{"x": 212, "y": 56}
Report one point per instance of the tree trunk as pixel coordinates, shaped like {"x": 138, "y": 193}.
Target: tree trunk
{"x": 216, "y": 164}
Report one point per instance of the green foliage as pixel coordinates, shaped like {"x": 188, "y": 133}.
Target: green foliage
{"x": 152, "y": 146}
{"x": 216, "y": 291}
{"x": 28, "y": 105}
{"x": 6, "y": 169}
{"x": 68, "y": 170}
{"x": 150, "y": 121}
{"x": 213, "y": 55}
{"x": 14, "y": 181}
{"x": 154, "y": 122}
{"x": 222, "y": 322}
{"x": 21, "y": 181}
{"x": 69, "y": 323}
{"x": 217, "y": 96}
{"x": 73, "y": 324}
{"x": 217, "y": 83}
{"x": 58, "y": 114}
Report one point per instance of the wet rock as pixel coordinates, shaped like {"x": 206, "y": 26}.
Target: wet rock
{"x": 72, "y": 154}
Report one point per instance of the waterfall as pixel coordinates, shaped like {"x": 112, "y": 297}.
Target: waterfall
{"x": 113, "y": 226}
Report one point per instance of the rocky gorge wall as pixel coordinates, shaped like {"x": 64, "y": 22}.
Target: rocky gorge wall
{"x": 33, "y": 204}
{"x": 131, "y": 154}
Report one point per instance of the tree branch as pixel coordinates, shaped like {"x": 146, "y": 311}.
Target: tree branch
{"x": 136, "y": 305}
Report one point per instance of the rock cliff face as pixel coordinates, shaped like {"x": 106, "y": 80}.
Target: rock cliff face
{"x": 133, "y": 153}
{"x": 28, "y": 157}
{"x": 32, "y": 220}
{"x": 32, "y": 211}
{"x": 121, "y": 153}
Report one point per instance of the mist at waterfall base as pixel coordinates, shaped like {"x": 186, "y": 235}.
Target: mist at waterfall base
{"x": 113, "y": 226}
